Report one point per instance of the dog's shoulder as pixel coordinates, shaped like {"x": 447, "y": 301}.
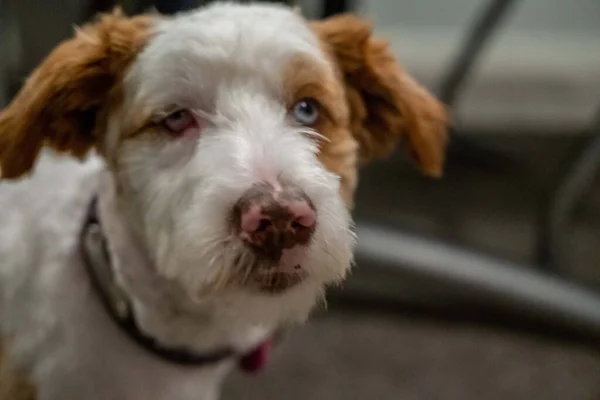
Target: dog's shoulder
{"x": 39, "y": 224}
{"x": 40, "y": 211}
{"x": 47, "y": 314}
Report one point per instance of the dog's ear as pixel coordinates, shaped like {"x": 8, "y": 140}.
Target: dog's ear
{"x": 387, "y": 106}
{"x": 60, "y": 104}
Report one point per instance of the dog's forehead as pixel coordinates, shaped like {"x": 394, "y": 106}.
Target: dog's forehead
{"x": 197, "y": 51}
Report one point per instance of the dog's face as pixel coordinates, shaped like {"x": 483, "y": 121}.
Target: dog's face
{"x": 234, "y": 134}
{"x": 217, "y": 147}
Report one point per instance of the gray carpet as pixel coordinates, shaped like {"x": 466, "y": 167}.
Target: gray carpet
{"x": 346, "y": 356}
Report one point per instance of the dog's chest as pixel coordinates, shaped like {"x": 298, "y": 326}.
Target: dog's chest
{"x": 101, "y": 363}
{"x": 121, "y": 376}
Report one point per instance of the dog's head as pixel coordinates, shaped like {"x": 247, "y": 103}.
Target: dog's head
{"x": 234, "y": 134}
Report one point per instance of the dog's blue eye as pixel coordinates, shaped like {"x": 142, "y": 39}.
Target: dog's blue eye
{"x": 306, "y": 112}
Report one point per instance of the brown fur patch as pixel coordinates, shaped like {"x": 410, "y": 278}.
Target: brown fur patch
{"x": 64, "y": 101}
{"x": 13, "y": 385}
{"x": 306, "y": 78}
{"x": 386, "y": 104}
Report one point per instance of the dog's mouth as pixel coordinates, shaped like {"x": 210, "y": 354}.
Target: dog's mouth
{"x": 277, "y": 281}
{"x": 276, "y": 276}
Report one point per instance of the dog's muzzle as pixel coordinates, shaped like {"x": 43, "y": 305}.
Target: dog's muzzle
{"x": 277, "y": 226}
{"x": 95, "y": 254}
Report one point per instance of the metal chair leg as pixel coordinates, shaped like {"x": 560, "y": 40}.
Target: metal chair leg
{"x": 332, "y": 7}
{"x": 94, "y": 7}
{"x": 488, "y": 285}
{"x": 477, "y": 37}
{"x": 174, "y": 6}
{"x": 452, "y": 83}
{"x": 569, "y": 190}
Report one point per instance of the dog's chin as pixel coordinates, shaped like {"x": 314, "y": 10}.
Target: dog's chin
{"x": 276, "y": 277}
{"x": 277, "y": 282}
{"x": 272, "y": 304}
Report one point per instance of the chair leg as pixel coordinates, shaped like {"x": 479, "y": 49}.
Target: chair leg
{"x": 568, "y": 191}
{"x": 477, "y": 38}
{"x": 482, "y": 283}
{"x": 97, "y": 6}
{"x": 333, "y": 7}
{"x": 174, "y": 6}
{"x": 453, "y": 82}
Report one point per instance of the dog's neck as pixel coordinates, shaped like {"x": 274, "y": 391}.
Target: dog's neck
{"x": 160, "y": 306}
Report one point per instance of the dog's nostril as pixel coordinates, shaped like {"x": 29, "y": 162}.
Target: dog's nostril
{"x": 263, "y": 225}
{"x": 251, "y": 219}
{"x": 303, "y": 214}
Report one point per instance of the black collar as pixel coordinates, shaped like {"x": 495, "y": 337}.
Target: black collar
{"x": 97, "y": 260}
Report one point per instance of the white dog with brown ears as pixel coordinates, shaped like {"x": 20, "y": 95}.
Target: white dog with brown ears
{"x": 219, "y": 152}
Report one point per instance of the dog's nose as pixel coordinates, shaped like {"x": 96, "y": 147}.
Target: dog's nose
{"x": 271, "y": 220}
{"x": 295, "y": 215}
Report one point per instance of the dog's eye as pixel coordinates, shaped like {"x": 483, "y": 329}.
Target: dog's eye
{"x": 179, "y": 122}
{"x": 306, "y": 111}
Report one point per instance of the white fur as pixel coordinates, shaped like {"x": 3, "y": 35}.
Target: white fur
{"x": 167, "y": 224}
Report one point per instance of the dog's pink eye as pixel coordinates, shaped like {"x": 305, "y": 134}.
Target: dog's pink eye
{"x": 179, "y": 121}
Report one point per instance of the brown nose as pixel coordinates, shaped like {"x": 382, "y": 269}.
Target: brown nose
{"x": 270, "y": 220}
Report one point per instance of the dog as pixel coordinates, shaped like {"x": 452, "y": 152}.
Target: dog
{"x": 178, "y": 189}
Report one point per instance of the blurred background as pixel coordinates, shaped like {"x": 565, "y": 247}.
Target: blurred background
{"x": 484, "y": 284}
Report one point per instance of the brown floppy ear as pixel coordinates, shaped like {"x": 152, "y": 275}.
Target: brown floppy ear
{"x": 386, "y": 104}
{"x": 61, "y": 103}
